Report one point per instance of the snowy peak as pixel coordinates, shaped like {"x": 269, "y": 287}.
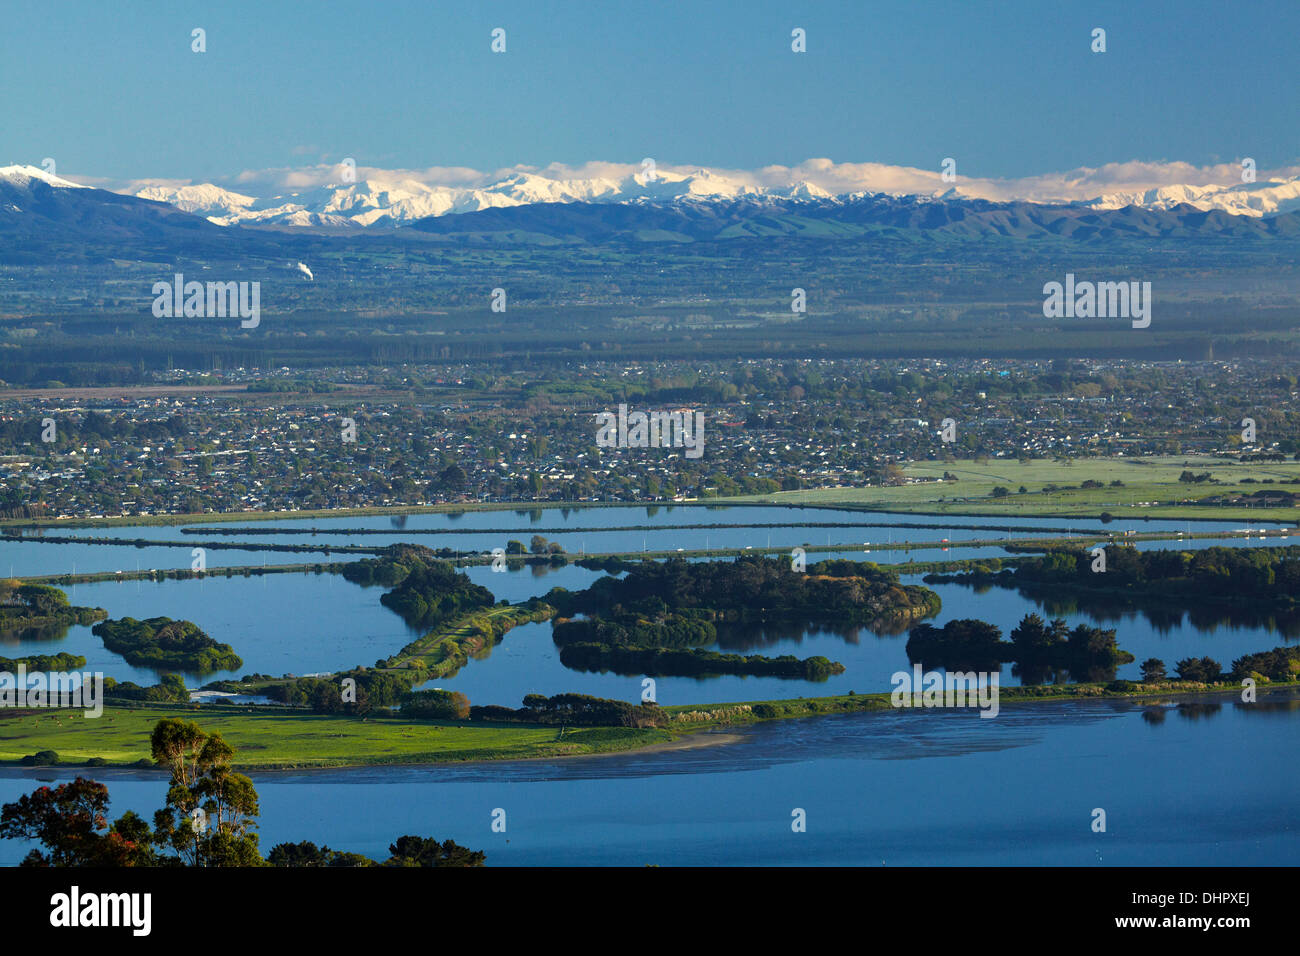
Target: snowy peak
{"x": 397, "y": 199}
{"x": 1244, "y": 199}
{"x": 22, "y": 177}
{"x": 198, "y": 199}
{"x": 378, "y": 201}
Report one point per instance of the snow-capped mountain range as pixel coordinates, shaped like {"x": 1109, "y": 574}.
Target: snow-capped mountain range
{"x": 394, "y": 200}
{"x": 1244, "y": 199}
{"x": 382, "y": 201}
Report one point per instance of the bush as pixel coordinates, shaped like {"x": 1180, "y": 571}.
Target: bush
{"x": 96, "y": 762}
{"x": 1203, "y": 669}
{"x": 492, "y": 712}
{"x": 161, "y": 642}
{"x": 436, "y": 705}
{"x": 45, "y": 758}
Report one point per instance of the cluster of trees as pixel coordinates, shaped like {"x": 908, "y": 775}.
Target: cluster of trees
{"x": 1040, "y": 647}
{"x": 1205, "y": 670}
{"x": 43, "y": 662}
{"x": 610, "y": 565}
{"x": 536, "y": 545}
{"x": 27, "y": 606}
{"x": 1266, "y": 573}
{"x": 692, "y": 662}
{"x": 208, "y": 819}
{"x": 31, "y": 598}
{"x": 648, "y": 623}
{"x": 432, "y": 592}
{"x": 169, "y": 689}
{"x": 1037, "y": 646}
{"x": 655, "y": 619}
{"x": 575, "y": 709}
{"x": 326, "y": 695}
{"x": 162, "y": 643}
{"x": 757, "y": 587}
{"x": 436, "y": 705}
{"x": 408, "y": 851}
{"x": 1280, "y": 664}
{"x": 391, "y": 567}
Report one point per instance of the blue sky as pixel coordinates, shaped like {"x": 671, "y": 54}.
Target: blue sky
{"x": 1009, "y": 88}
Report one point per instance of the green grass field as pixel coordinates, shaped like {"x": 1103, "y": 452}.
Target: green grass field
{"x": 1151, "y": 489}
{"x": 264, "y": 739}
{"x": 268, "y": 740}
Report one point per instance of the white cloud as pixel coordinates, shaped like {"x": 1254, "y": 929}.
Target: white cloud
{"x": 837, "y": 178}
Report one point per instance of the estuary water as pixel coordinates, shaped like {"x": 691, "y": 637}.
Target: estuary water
{"x": 1184, "y": 783}
{"x": 1197, "y": 783}
{"x": 309, "y": 623}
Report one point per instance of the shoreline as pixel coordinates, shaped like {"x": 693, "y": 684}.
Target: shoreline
{"x": 707, "y": 734}
{"x": 700, "y": 739}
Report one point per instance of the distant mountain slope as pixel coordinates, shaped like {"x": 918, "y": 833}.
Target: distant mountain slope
{"x": 44, "y": 209}
{"x": 1243, "y": 199}
{"x": 393, "y": 199}
{"x": 689, "y": 221}
{"x": 36, "y": 205}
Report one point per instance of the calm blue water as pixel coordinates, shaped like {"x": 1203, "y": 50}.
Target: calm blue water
{"x": 1181, "y": 785}
{"x": 855, "y": 530}
{"x": 309, "y": 623}
{"x": 278, "y": 623}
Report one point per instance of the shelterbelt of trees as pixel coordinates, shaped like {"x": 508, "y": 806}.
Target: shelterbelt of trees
{"x": 580, "y": 710}
{"x": 1264, "y": 575}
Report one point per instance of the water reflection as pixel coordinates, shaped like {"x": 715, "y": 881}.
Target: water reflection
{"x": 750, "y": 637}
{"x": 15, "y": 636}
{"x": 1038, "y": 674}
{"x": 1198, "y": 709}
{"x": 1164, "y": 616}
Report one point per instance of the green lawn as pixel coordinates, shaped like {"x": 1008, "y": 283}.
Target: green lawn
{"x": 1145, "y": 480}
{"x": 268, "y": 740}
